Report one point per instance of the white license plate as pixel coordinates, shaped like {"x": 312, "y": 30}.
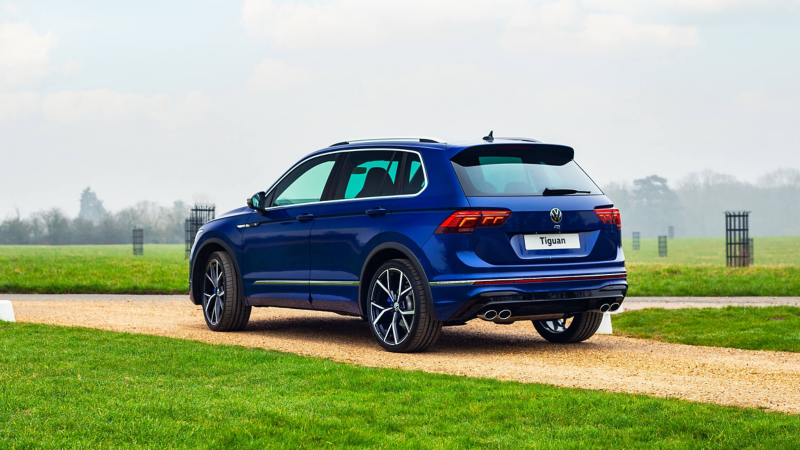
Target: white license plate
{"x": 551, "y": 241}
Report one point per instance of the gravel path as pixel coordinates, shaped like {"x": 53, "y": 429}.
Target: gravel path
{"x": 769, "y": 380}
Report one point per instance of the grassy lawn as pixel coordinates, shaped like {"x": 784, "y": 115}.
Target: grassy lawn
{"x": 684, "y": 280}
{"x": 162, "y": 270}
{"x": 80, "y": 388}
{"x": 93, "y": 269}
{"x": 767, "y": 251}
{"x": 750, "y": 328}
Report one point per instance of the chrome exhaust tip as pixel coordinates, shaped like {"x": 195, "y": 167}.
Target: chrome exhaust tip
{"x": 504, "y": 314}
{"x": 488, "y": 315}
{"x": 604, "y": 308}
{"x": 614, "y": 307}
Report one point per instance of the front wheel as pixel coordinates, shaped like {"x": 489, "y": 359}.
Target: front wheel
{"x": 576, "y": 328}
{"x": 398, "y": 309}
{"x": 223, "y": 300}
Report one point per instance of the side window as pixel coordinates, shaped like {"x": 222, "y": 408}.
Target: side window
{"x": 368, "y": 174}
{"x": 306, "y": 183}
{"x": 414, "y": 175}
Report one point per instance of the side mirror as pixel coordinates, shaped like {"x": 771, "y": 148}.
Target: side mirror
{"x": 257, "y": 201}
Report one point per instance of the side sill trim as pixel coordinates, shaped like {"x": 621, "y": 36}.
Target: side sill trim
{"x": 603, "y": 276}
{"x": 309, "y": 282}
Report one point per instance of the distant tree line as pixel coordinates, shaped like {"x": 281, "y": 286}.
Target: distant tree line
{"x": 95, "y": 225}
{"x": 696, "y": 205}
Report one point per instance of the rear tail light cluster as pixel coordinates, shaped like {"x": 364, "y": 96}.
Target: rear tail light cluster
{"x": 609, "y": 217}
{"x": 467, "y": 221}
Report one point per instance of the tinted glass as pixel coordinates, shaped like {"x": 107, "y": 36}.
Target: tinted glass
{"x": 306, "y": 183}
{"x": 519, "y": 171}
{"x": 368, "y": 174}
{"x": 414, "y": 175}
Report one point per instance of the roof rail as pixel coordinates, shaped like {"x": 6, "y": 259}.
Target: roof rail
{"x": 519, "y": 139}
{"x": 429, "y": 140}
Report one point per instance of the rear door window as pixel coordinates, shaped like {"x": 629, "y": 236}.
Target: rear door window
{"x": 367, "y": 174}
{"x": 523, "y": 170}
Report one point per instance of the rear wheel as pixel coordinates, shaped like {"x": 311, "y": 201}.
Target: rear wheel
{"x": 224, "y": 307}
{"x": 576, "y": 328}
{"x": 398, "y": 309}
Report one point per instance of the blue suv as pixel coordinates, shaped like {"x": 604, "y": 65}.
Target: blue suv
{"x": 415, "y": 234}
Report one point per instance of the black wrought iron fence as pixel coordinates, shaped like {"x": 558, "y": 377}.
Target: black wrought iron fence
{"x": 199, "y": 215}
{"x": 737, "y": 239}
{"x": 662, "y": 246}
{"x": 138, "y": 241}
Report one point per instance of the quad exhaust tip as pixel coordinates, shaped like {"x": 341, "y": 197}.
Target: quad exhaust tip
{"x": 504, "y": 314}
{"x": 614, "y": 307}
{"x": 489, "y": 315}
{"x": 605, "y": 307}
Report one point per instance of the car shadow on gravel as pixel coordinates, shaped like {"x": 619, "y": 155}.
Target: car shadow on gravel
{"x": 489, "y": 339}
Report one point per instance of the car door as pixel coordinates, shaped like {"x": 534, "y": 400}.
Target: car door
{"x": 275, "y": 250}
{"x": 347, "y": 228}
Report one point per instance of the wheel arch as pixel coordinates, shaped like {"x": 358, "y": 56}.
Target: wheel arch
{"x": 381, "y": 254}
{"x": 208, "y": 247}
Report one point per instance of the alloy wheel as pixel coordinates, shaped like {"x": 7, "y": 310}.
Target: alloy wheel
{"x": 392, "y": 306}
{"x": 214, "y": 292}
{"x": 558, "y": 325}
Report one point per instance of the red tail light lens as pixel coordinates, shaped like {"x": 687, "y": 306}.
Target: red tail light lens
{"x": 609, "y": 216}
{"x": 467, "y": 221}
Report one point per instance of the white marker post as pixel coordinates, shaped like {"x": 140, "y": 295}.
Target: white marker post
{"x": 6, "y": 311}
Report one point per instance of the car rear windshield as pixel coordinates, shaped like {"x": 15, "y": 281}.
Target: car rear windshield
{"x": 520, "y": 170}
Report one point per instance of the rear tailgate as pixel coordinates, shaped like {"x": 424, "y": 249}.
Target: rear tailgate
{"x": 531, "y": 216}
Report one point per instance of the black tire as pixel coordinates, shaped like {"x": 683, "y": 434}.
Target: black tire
{"x": 228, "y": 312}
{"x": 583, "y": 326}
{"x": 424, "y": 329}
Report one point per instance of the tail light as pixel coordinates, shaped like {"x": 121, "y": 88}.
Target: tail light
{"x": 609, "y": 217}
{"x": 467, "y": 221}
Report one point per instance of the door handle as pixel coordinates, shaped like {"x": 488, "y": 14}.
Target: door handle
{"x": 305, "y": 217}
{"x": 377, "y": 211}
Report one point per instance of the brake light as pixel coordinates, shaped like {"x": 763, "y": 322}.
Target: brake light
{"x": 467, "y": 221}
{"x": 609, "y": 217}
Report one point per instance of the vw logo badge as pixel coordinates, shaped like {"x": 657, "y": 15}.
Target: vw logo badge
{"x": 555, "y": 215}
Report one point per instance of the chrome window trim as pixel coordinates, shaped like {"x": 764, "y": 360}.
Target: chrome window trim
{"x": 421, "y": 161}
{"x": 577, "y": 277}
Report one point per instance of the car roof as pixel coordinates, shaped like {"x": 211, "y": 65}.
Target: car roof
{"x": 421, "y": 143}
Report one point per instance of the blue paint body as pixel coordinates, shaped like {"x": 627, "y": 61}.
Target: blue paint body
{"x": 333, "y": 245}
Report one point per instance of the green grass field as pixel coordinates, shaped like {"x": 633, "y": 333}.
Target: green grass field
{"x": 753, "y": 328}
{"x": 93, "y": 269}
{"x": 80, "y": 388}
{"x": 767, "y": 251}
{"x": 163, "y": 270}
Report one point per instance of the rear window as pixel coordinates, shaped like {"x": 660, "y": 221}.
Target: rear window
{"x": 519, "y": 170}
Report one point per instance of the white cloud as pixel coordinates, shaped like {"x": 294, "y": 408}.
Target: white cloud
{"x": 24, "y": 52}
{"x": 517, "y": 25}
{"x": 276, "y": 76}
{"x": 561, "y": 27}
{"x": 692, "y": 6}
{"x": 106, "y": 105}
{"x": 18, "y": 104}
{"x": 10, "y": 8}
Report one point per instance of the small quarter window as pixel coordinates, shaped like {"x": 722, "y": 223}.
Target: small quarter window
{"x": 414, "y": 175}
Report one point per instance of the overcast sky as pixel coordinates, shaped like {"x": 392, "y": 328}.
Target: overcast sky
{"x": 173, "y": 100}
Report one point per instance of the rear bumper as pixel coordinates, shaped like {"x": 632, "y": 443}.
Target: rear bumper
{"x": 560, "y": 293}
